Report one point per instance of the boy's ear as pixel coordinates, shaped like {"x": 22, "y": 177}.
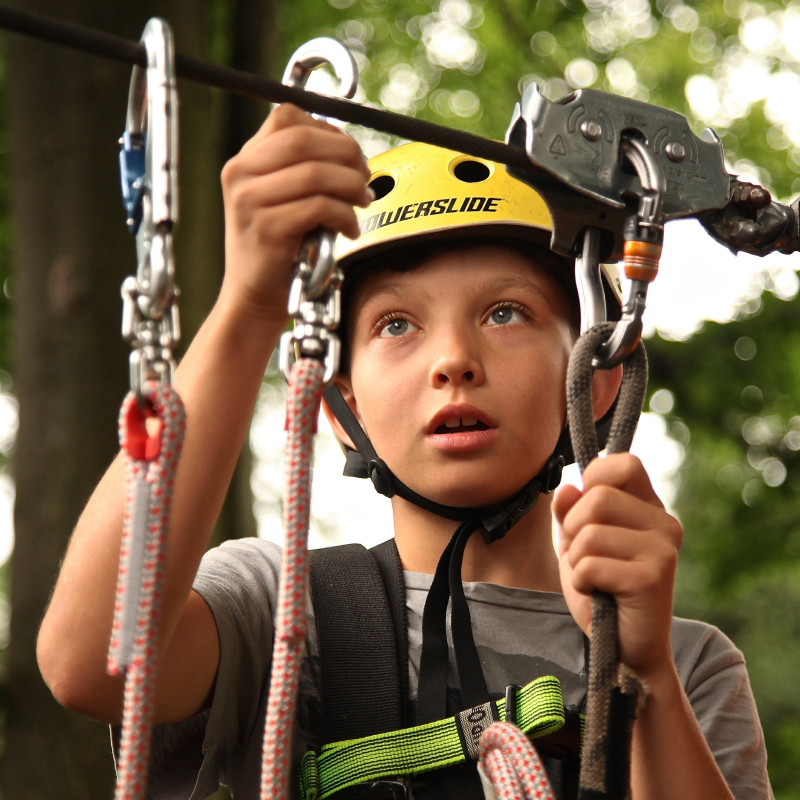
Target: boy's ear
{"x": 346, "y": 388}
{"x": 605, "y": 385}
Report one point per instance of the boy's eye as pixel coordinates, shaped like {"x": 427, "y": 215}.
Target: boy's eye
{"x": 397, "y": 327}
{"x": 506, "y": 315}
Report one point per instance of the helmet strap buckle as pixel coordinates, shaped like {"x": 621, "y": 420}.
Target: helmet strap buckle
{"x": 381, "y": 477}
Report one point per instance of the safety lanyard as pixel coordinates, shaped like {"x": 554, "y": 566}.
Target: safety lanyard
{"x": 309, "y": 359}
{"x": 152, "y": 419}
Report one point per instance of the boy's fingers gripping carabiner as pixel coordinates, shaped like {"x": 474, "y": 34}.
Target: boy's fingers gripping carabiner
{"x": 309, "y": 358}
{"x": 317, "y": 251}
{"x": 314, "y": 296}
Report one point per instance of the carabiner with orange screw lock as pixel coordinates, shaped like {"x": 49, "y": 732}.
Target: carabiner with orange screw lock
{"x": 644, "y": 238}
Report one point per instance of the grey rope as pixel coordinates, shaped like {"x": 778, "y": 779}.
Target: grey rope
{"x": 614, "y": 691}
{"x": 118, "y": 48}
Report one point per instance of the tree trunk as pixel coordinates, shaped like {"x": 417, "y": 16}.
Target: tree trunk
{"x": 71, "y": 252}
{"x": 70, "y": 255}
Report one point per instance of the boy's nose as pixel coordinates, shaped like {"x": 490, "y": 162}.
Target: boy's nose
{"x": 456, "y": 365}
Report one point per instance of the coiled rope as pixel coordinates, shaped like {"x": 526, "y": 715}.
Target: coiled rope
{"x": 118, "y": 48}
{"x": 614, "y": 691}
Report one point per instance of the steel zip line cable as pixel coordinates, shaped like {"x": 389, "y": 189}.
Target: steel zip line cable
{"x": 118, "y": 48}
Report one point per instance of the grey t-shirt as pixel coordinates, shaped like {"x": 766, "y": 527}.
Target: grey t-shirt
{"x": 520, "y": 635}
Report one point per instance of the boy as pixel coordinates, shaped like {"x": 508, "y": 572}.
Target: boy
{"x": 456, "y": 372}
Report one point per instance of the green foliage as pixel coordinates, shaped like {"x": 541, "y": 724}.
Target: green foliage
{"x": 740, "y": 487}
{"x": 464, "y": 64}
{"x": 742, "y": 415}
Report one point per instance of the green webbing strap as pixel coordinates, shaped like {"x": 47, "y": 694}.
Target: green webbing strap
{"x": 540, "y": 710}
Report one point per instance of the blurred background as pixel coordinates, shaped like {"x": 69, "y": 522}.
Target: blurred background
{"x": 722, "y": 432}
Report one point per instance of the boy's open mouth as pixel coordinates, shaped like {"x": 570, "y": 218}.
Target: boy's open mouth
{"x": 460, "y": 418}
{"x": 461, "y": 424}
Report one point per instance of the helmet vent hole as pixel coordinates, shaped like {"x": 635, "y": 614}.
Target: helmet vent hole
{"x": 382, "y": 185}
{"x": 471, "y": 171}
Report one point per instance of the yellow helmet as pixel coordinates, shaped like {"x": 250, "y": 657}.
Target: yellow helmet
{"x": 423, "y": 190}
{"x": 426, "y": 192}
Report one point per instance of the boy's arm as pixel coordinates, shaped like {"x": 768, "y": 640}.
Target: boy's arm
{"x": 615, "y": 536}
{"x": 297, "y": 173}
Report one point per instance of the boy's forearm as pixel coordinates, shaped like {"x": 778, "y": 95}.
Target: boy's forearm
{"x": 218, "y": 381}
{"x": 671, "y": 757}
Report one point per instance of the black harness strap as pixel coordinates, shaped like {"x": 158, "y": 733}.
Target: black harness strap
{"x": 359, "y": 600}
{"x": 447, "y": 586}
{"x": 360, "y": 606}
{"x": 392, "y": 572}
{"x": 361, "y": 682}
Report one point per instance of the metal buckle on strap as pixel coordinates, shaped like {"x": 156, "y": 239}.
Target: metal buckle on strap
{"x": 374, "y": 790}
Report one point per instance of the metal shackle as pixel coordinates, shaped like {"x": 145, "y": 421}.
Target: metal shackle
{"x": 320, "y": 261}
{"x": 316, "y": 53}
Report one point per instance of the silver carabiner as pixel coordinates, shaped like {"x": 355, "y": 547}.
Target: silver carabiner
{"x": 149, "y": 166}
{"x": 319, "y": 244}
{"x": 149, "y": 173}
{"x": 591, "y": 297}
{"x": 644, "y": 234}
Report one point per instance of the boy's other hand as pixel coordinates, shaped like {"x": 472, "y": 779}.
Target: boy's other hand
{"x": 615, "y": 536}
{"x": 295, "y": 174}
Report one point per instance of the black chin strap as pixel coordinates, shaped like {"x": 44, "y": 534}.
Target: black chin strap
{"x": 447, "y": 584}
{"x": 432, "y": 692}
{"x": 365, "y": 463}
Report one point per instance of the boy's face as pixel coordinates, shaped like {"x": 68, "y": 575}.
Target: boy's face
{"x": 458, "y": 371}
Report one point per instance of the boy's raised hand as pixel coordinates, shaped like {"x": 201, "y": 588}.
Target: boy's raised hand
{"x": 616, "y": 536}
{"x": 295, "y": 174}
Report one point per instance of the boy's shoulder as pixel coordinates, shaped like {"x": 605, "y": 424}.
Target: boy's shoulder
{"x": 246, "y": 549}
{"x": 240, "y": 567}
{"x": 702, "y": 651}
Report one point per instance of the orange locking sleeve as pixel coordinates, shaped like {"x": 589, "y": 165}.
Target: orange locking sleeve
{"x": 641, "y": 260}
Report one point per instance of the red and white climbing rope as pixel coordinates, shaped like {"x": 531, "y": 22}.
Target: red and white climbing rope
{"x": 302, "y": 409}
{"x": 150, "y": 462}
{"x": 511, "y": 763}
